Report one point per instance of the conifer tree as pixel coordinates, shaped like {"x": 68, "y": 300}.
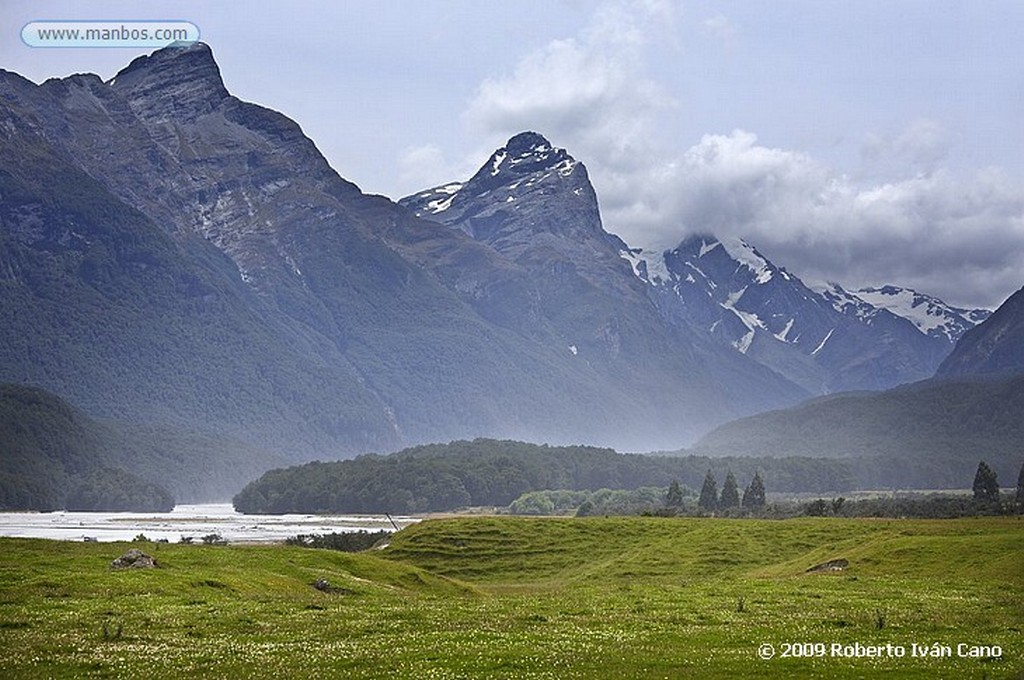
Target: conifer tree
{"x": 708, "y": 493}
{"x": 986, "y": 484}
{"x": 730, "y": 492}
{"x": 753, "y": 497}
{"x": 1020, "y": 487}
{"x": 674, "y": 498}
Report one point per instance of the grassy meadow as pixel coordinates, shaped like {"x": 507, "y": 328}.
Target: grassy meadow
{"x": 507, "y": 597}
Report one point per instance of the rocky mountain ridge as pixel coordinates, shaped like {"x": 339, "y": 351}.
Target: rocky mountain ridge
{"x": 171, "y": 254}
{"x": 724, "y": 290}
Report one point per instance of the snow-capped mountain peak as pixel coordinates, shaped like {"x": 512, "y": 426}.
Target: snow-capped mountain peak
{"x": 527, "y": 165}
{"x": 845, "y": 302}
{"x": 826, "y": 339}
{"x": 929, "y": 314}
{"x": 523, "y": 154}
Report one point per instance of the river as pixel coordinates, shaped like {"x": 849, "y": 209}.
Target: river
{"x": 185, "y": 521}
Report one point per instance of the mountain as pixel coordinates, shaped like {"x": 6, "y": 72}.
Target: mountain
{"x": 174, "y": 257}
{"x": 935, "y": 430}
{"x": 995, "y": 347}
{"x": 55, "y": 456}
{"x": 110, "y": 304}
{"x": 827, "y": 340}
{"x": 931, "y": 315}
{"x": 177, "y": 260}
{"x": 533, "y": 204}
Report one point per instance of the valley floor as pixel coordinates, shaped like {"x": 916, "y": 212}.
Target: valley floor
{"x": 507, "y": 597}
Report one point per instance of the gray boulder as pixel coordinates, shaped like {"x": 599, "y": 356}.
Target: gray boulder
{"x": 134, "y": 559}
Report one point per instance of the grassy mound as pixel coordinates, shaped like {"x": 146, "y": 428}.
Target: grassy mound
{"x": 570, "y": 550}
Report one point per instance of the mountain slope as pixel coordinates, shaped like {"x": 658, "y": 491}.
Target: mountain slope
{"x": 51, "y": 451}
{"x": 533, "y": 203}
{"x": 940, "y": 428}
{"x": 827, "y": 341}
{"x": 996, "y": 347}
{"x": 191, "y": 260}
{"x": 109, "y": 309}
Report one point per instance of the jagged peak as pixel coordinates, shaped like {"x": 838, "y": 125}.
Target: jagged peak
{"x": 700, "y": 245}
{"x": 523, "y": 154}
{"x": 185, "y": 76}
{"x": 179, "y": 53}
{"x": 527, "y": 143}
{"x": 928, "y": 313}
{"x": 697, "y": 243}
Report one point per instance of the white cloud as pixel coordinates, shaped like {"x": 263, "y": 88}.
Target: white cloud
{"x": 420, "y": 167}
{"x": 721, "y": 29}
{"x": 957, "y": 236}
{"x": 923, "y": 144}
{"x": 588, "y": 93}
{"x": 960, "y": 237}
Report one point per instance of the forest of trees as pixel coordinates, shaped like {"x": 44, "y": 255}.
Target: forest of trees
{"x": 539, "y": 479}
{"x": 488, "y": 472}
{"x": 113, "y": 490}
{"x": 52, "y": 456}
{"x": 677, "y": 500}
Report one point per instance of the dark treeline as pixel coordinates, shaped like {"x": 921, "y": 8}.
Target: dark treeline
{"x": 930, "y": 506}
{"x": 113, "y": 490}
{"x": 487, "y": 472}
{"x": 54, "y": 456}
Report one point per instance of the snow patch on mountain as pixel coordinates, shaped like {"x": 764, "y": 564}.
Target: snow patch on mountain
{"x": 929, "y": 314}
{"x": 648, "y": 265}
{"x": 440, "y": 204}
{"x": 783, "y": 335}
{"x": 747, "y": 255}
{"x": 821, "y": 345}
{"x": 496, "y": 162}
{"x": 706, "y": 247}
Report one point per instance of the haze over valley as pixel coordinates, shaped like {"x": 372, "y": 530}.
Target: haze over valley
{"x": 188, "y": 281}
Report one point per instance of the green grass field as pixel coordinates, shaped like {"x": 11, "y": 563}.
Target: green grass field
{"x": 528, "y": 598}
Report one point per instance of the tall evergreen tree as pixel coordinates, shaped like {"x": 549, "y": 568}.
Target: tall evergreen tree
{"x": 674, "y": 498}
{"x": 708, "y": 493}
{"x": 1020, "y": 487}
{"x": 753, "y": 497}
{"x": 986, "y": 484}
{"x": 730, "y": 492}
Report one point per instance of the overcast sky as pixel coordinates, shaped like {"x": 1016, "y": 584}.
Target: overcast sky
{"x": 863, "y": 142}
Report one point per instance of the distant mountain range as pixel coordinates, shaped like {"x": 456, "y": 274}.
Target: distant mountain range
{"x": 938, "y": 428}
{"x": 174, "y": 256}
{"x": 533, "y": 203}
{"x": 827, "y": 340}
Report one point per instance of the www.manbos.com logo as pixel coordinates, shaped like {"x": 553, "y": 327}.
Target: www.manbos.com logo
{"x": 108, "y": 33}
